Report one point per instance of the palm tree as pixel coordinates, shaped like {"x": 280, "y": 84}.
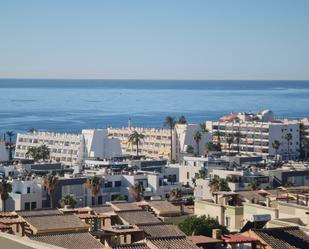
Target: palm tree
{"x": 288, "y": 137}
{"x": 67, "y": 201}
{"x": 182, "y": 120}
{"x": 218, "y": 134}
{"x": 32, "y": 130}
{"x": 203, "y": 127}
{"x": 10, "y": 134}
{"x": 50, "y": 182}
{"x": 175, "y": 194}
{"x": 137, "y": 191}
{"x": 190, "y": 149}
{"x": 276, "y": 145}
{"x": 305, "y": 143}
{"x": 238, "y": 135}
{"x": 170, "y": 123}
{"x": 44, "y": 152}
{"x": 202, "y": 173}
{"x": 135, "y": 139}
{"x": 197, "y": 138}
{"x": 94, "y": 184}
{"x": 5, "y": 189}
{"x": 253, "y": 185}
{"x": 223, "y": 185}
{"x": 33, "y": 153}
{"x": 229, "y": 139}
{"x": 214, "y": 184}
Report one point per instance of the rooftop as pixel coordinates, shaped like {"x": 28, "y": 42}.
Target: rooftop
{"x": 135, "y": 217}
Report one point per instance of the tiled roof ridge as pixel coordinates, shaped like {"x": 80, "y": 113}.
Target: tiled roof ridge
{"x": 155, "y": 224}
{"x": 167, "y": 237}
{"x": 131, "y": 210}
{"x": 276, "y": 229}
{"x": 56, "y": 233}
{"x": 44, "y": 215}
{"x": 131, "y": 245}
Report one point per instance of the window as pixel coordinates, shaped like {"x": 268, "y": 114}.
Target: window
{"x": 227, "y": 221}
{"x": 92, "y": 201}
{"x": 28, "y": 190}
{"x": 27, "y": 205}
{"x": 188, "y": 175}
{"x": 33, "y": 205}
{"x": 100, "y": 200}
{"x": 108, "y": 185}
{"x": 117, "y": 183}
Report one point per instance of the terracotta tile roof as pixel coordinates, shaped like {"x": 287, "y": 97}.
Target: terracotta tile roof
{"x": 7, "y": 214}
{"x": 137, "y": 217}
{"x": 50, "y": 223}
{"x": 164, "y": 207}
{"x": 39, "y": 212}
{"x": 283, "y": 237}
{"x": 201, "y": 240}
{"x": 132, "y": 246}
{"x": 237, "y": 239}
{"x": 102, "y": 209}
{"x": 171, "y": 243}
{"x": 161, "y": 230}
{"x": 70, "y": 240}
{"x": 124, "y": 206}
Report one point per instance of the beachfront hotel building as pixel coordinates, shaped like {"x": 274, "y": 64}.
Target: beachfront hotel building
{"x": 258, "y": 131}
{"x": 157, "y": 142}
{"x": 69, "y": 148}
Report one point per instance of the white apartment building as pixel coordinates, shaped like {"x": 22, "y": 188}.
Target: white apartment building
{"x": 305, "y": 123}
{"x": 3, "y": 152}
{"x": 68, "y": 148}
{"x": 258, "y": 136}
{"x": 184, "y": 137}
{"x": 156, "y": 144}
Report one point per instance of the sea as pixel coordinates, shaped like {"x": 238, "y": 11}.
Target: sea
{"x": 72, "y": 105}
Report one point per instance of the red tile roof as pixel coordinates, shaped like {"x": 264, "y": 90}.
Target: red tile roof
{"x": 199, "y": 239}
{"x": 237, "y": 239}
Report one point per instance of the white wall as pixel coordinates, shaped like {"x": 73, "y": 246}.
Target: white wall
{"x": 3, "y": 152}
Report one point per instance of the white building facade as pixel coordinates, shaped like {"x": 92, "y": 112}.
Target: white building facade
{"x": 68, "y": 148}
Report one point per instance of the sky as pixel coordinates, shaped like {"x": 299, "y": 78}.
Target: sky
{"x": 158, "y": 39}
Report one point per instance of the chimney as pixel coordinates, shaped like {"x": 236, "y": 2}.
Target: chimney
{"x": 216, "y": 233}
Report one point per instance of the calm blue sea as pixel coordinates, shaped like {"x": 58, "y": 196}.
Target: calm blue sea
{"x": 71, "y": 105}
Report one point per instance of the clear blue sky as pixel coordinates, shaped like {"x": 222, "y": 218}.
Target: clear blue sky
{"x": 158, "y": 39}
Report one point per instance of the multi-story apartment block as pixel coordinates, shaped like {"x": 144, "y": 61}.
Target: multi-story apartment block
{"x": 305, "y": 127}
{"x": 156, "y": 144}
{"x": 69, "y": 148}
{"x": 258, "y": 134}
{"x": 3, "y": 152}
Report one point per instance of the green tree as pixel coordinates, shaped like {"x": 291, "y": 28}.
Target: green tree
{"x": 120, "y": 198}
{"x": 238, "y": 136}
{"x": 135, "y": 138}
{"x": 197, "y": 138}
{"x": 203, "y": 128}
{"x": 229, "y": 139}
{"x": 137, "y": 191}
{"x": 170, "y": 123}
{"x": 38, "y": 153}
{"x": 50, "y": 182}
{"x": 288, "y": 137}
{"x": 175, "y": 194}
{"x": 10, "y": 134}
{"x": 5, "y": 189}
{"x": 253, "y": 185}
{"x": 67, "y": 201}
{"x": 211, "y": 147}
{"x": 217, "y": 184}
{"x": 32, "y": 130}
{"x": 218, "y": 134}
{"x": 182, "y": 120}
{"x": 305, "y": 144}
{"x": 94, "y": 184}
{"x": 202, "y": 173}
{"x": 190, "y": 149}
{"x": 276, "y": 145}
{"x": 194, "y": 225}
